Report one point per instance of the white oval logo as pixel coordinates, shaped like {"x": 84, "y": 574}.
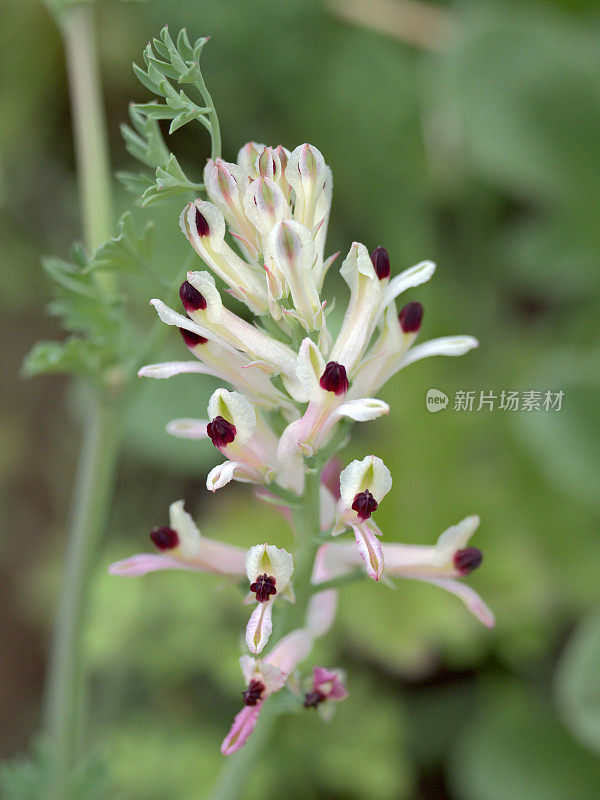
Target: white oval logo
{"x": 435, "y": 400}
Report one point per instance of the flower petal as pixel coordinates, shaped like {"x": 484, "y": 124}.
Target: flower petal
{"x": 362, "y": 410}
{"x": 148, "y": 562}
{"x": 169, "y": 368}
{"x": 468, "y": 595}
{"x": 243, "y": 725}
{"x": 370, "y": 550}
{"x": 188, "y": 428}
{"x": 321, "y": 611}
{"x": 235, "y": 408}
{"x": 445, "y": 346}
{"x": 291, "y": 650}
{"x": 259, "y": 627}
{"x": 370, "y": 473}
{"x": 408, "y": 279}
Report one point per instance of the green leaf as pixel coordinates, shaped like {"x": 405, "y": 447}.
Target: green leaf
{"x": 30, "y": 778}
{"x": 168, "y": 63}
{"x": 128, "y": 250}
{"x": 578, "y": 682}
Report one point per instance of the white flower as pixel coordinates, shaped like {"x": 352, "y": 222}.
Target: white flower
{"x": 269, "y": 570}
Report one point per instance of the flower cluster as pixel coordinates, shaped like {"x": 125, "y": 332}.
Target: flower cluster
{"x": 295, "y": 387}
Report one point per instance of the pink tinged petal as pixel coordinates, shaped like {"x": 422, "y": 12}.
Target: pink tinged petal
{"x": 370, "y": 550}
{"x": 330, "y": 683}
{"x": 243, "y": 725}
{"x": 259, "y": 627}
{"x": 169, "y": 368}
{"x": 321, "y": 612}
{"x": 188, "y": 428}
{"x": 148, "y": 562}
{"x": 468, "y": 595}
{"x": 291, "y": 650}
{"x": 334, "y": 560}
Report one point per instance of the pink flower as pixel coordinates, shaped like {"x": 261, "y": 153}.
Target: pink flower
{"x": 442, "y": 565}
{"x": 263, "y": 678}
{"x": 326, "y": 690}
{"x": 181, "y": 546}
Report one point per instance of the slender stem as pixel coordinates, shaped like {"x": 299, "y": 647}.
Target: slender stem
{"x": 99, "y": 449}
{"x": 93, "y": 488}
{"x": 89, "y": 123}
{"x": 234, "y": 773}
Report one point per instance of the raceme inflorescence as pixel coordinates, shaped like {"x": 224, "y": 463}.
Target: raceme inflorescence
{"x": 293, "y": 389}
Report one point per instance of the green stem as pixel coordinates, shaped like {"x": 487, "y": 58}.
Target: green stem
{"x": 235, "y": 771}
{"x": 77, "y": 24}
{"x": 93, "y": 488}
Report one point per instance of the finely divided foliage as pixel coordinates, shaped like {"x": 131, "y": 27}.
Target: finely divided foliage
{"x": 293, "y": 385}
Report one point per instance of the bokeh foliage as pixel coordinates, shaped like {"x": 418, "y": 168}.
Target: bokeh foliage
{"x": 482, "y": 156}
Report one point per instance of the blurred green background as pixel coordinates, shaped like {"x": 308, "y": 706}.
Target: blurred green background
{"x": 468, "y": 135}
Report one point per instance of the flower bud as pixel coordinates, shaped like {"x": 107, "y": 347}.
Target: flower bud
{"x": 381, "y": 263}
{"x": 221, "y": 432}
{"x": 467, "y": 560}
{"x": 334, "y": 378}
{"x": 191, "y": 298}
{"x": 410, "y": 317}
{"x": 164, "y": 538}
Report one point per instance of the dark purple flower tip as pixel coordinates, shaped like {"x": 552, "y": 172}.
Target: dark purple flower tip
{"x": 467, "y": 560}
{"x": 381, "y": 262}
{"x": 410, "y": 317}
{"x": 253, "y": 693}
{"x": 164, "y": 538}
{"x": 263, "y": 587}
{"x": 201, "y": 225}
{"x": 191, "y": 298}
{"x": 192, "y": 339}
{"x": 334, "y": 379}
{"x": 221, "y": 432}
{"x": 364, "y": 504}
{"x": 312, "y": 699}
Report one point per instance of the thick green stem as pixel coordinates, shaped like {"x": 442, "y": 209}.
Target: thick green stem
{"x": 93, "y": 488}
{"x": 238, "y": 767}
{"x": 89, "y": 123}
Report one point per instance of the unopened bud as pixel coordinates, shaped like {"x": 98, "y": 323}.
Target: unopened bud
{"x": 221, "y": 432}
{"x": 164, "y": 538}
{"x": 410, "y": 317}
{"x": 381, "y": 263}
{"x": 334, "y": 379}
{"x": 364, "y": 504}
{"x": 191, "y": 298}
{"x": 192, "y": 339}
{"x": 467, "y": 560}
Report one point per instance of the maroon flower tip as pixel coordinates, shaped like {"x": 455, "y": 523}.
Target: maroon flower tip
{"x": 381, "y": 262}
{"x": 334, "y": 379}
{"x": 201, "y": 225}
{"x": 467, "y": 560}
{"x": 364, "y": 504}
{"x": 253, "y": 693}
{"x": 192, "y": 339}
{"x": 312, "y": 699}
{"x": 221, "y": 432}
{"x": 191, "y": 298}
{"x": 164, "y": 538}
{"x": 263, "y": 587}
{"x": 410, "y": 317}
